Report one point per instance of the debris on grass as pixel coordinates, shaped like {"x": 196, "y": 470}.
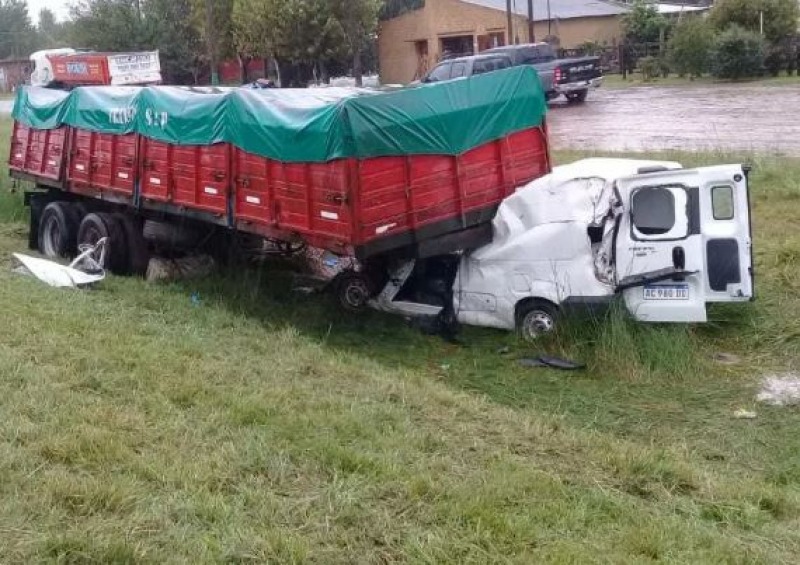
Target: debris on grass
{"x": 780, "y": 390}
{"x": 727, "y": 358}
{"x": 83, "y": 272}
{"x": 745, "y": 415}
{"x": 547, "y": 362}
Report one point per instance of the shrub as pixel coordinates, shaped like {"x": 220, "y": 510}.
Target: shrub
{"x": 737, "y": 53}
{"x": 650, "y": 68}
{"x": 779, "y": 16}
{"x": 775, "y": 60}
{"x": 690, "y": 46}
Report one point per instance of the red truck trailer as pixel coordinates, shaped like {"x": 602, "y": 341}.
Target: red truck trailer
{"x": 363, "y": 175}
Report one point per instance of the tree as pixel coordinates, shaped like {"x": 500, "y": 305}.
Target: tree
{"x": 51, "y": 33}
{"x": 111, "y": 25}
{"x": 358, "y": 20}
{"x": 780, "y": 16}
{"x": 178, "y": 41}
{"x": 690, "y": 46}
{"x": 299, "y": 33}
{"x": 737, "y": 53}
{"x": 643, "y": 24}
{"x": 214, "y": 20}
{"x": 394, "y": 8}
{"x": 17, "y": 35}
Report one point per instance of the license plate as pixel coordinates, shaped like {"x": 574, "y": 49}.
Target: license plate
{"x": 667, "y": 292}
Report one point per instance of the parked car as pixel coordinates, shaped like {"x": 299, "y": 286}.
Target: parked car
{"x": 467, "y": 67}
{"x": 571, "y": 78}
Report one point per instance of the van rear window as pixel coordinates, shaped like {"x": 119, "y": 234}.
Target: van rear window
{"x": 653, "y": 210}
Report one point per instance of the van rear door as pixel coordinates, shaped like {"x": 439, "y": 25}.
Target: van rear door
{"x": 684, "y": 240}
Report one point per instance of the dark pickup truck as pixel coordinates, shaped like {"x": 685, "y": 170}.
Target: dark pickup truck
{"x": 571, "y": 77}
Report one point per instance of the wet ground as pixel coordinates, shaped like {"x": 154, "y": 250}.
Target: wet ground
{"x": 715, "y": 117}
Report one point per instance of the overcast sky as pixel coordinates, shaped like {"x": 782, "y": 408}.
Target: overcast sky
{"x": 59, "y": 7}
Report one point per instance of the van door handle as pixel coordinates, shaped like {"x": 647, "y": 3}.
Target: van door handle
{"x": 679, "y": 258}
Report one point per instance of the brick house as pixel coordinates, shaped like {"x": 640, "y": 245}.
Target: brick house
{"x": 410, "y": 44}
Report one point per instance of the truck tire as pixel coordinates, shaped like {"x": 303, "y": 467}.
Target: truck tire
{"x": 96, "y": 226}
{"x": 536, "y": 319}
{"x": 171, "y": 236}
{"x": 58, "y": 230}
{"x": 138, "y": 252}
{"x": 577, "y": 97}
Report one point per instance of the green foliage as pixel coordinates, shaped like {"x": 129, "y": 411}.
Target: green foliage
{"x": 690, "y": 46}
{"x": 643, "y": 24}
{"x": 111, "y": 25}
{"x": 394, "y": 8}
{"x": 737, "y": 53}
{"x": 780, "y": 16}
{"x": 650, "y": 68}
{"x": 51, "y": 33}
{"x": 17, "y": 34}
{"x": 178, "y": 41}
{"x": 130, "y": 25}
{"x": 358, "y": 20}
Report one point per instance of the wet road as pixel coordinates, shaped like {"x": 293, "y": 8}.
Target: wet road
{"x": 720, "y": 117}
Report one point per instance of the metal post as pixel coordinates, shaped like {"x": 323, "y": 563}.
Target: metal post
{"x": 510, "y": 33}
{"x": 531, "y": 30}
{"x": 211, "y": 38}
{"x": 549, "y": 20}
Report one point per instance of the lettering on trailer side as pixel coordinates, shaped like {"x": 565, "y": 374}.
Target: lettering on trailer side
{"x": 156, "y": 119}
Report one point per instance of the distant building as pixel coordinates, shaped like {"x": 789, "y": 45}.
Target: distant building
{"x": 14, "y": 72}
{"x": 411, "y": 43}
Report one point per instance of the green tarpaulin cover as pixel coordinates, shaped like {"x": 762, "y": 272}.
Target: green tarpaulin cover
{"x": 315, "y": 125}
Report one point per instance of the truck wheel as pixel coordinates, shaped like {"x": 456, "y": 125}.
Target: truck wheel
{"x": 535, "y": 319}
{"x": 353, "y": 291}
{"x": 96, "y": 226}
{"x": 138, "y": 253}
{"x": 577, "y": 97}
{"x": 58, "y": 230}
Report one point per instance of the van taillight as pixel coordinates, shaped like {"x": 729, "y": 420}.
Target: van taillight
{"x": 558, "y": 75}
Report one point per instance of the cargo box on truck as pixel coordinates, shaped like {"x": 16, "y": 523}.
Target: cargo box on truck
{"x": 362, "y": 174}
{"x": 69, "y": 68}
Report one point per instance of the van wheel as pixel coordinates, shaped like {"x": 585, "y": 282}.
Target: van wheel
{"x": 353, "y": 291}
{"x": 96, "y": 226}
{"x": 58, "y": 230}
{"x": 577, "y": 97}
{"x": 535, "y": 319}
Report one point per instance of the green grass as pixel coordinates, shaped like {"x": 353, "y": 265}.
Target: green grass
{"x": 264, "y": 426}
{"x": 615, "y": 81}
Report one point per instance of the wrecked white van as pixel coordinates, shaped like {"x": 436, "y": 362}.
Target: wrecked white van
{"x": 668, "y": 240}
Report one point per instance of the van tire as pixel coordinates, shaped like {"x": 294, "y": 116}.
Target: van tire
{"x": 536, "y": 318}
{"x": 96, "y": 226}
{"x": 353, "y": 290}
{"x": 58, "y": 230}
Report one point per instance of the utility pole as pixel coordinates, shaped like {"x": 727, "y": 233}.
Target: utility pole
{"x": 510, "y": 38}
{"x": 211, "y": 39}
{"x": 531, "y": 31}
